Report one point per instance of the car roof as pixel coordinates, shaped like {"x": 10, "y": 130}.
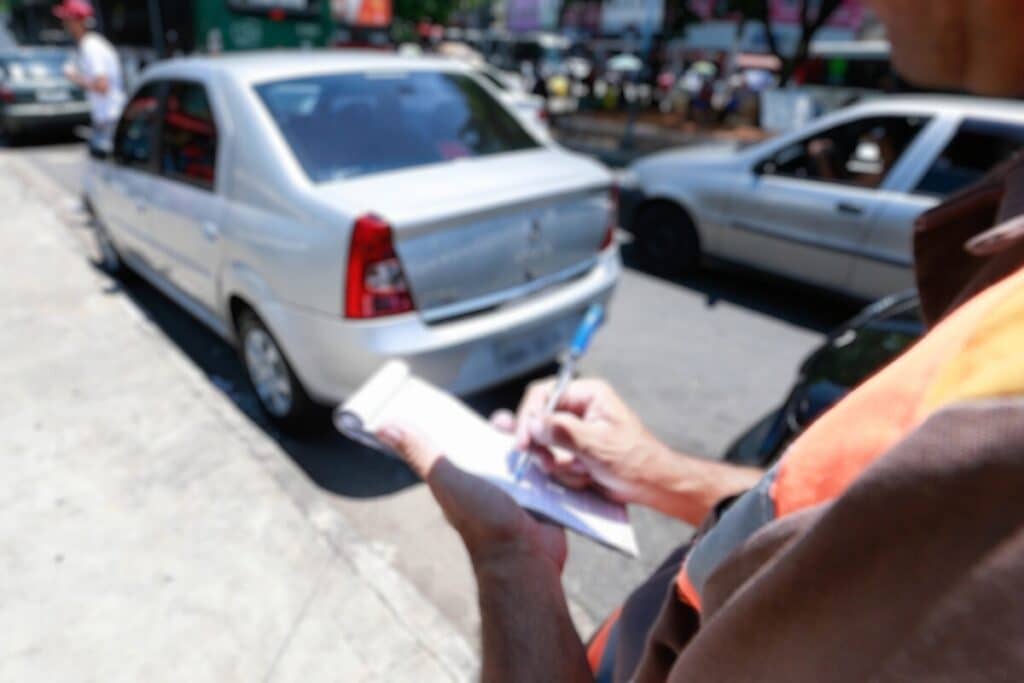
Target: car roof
{"x": 960, "y": 105}
{"x": 274, "y": 65}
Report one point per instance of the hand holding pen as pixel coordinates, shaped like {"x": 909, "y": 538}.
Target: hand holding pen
{"x": 591, "y": 323}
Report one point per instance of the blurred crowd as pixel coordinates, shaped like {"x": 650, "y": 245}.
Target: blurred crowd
{"x": 609, "y": 74}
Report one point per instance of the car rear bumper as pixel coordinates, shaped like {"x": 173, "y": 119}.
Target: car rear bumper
{"x": 19, "y": 117}
{"x": 333, "y": 356}
{"x": 631, "y": 196}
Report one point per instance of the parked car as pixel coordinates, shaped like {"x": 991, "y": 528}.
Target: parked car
{"x": 849, "y": 356}
{"x": 326, "y": 212}
{"x": 833, "y": 204}
{"x": 35, "y": 95}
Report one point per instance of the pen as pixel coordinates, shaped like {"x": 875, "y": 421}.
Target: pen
{"x": 591, "y": 323}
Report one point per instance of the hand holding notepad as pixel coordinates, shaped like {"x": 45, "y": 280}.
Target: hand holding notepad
{"x": 394, "y": 396}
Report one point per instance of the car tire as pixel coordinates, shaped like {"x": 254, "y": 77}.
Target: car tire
{"x": 666, "y": 239}
{"x": 9, "y": 137}
{"x": 279, "y": 392}
{"x": 110, "y": 258}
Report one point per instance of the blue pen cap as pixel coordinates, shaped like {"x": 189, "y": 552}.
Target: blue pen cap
{"x": 592, "y": 321}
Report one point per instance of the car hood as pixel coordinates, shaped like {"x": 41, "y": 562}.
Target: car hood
{"x": 683, "y": 166}
{"x": 711, "y": 154}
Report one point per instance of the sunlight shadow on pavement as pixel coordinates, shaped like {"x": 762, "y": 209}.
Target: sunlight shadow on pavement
{"x": 332, "y": 461}
{"x": 795, "y": 303}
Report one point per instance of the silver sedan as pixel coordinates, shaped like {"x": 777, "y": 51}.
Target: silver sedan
{"x": 833, "y": 204}
{"x": 327, "y": 211}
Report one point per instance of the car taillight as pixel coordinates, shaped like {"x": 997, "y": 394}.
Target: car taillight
{"x": 613, "y": 218}
{"x": 7, "y": 95}
{"x": 376, "y": 284}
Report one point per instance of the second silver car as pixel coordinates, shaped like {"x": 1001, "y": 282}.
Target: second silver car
{"x": 833, "y": 204}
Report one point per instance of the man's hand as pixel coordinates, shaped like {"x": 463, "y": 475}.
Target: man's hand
{"x": 527, "y": 632}
{"x": 492, "y": 526}
{"x": 100, "y": 84}
{"x": 72, "y": 74}
{"x": 594, "y": 438}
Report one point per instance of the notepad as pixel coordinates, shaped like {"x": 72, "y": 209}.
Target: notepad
{"x": 394, "y": 395}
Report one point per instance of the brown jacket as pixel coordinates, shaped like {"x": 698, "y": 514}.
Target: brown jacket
{"x": 913, "y": 571}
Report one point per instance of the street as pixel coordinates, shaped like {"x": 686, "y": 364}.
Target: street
{"x": 279, "y": 277}
{"x": 699, "y": 359}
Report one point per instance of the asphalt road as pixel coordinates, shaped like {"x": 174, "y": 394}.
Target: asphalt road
{"x": 700, "y": 359}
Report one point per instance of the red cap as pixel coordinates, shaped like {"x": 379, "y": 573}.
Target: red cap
{"x": 73, "y": 9}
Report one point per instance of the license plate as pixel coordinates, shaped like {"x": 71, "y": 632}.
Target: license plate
{"x": 50, "y": 96}
{"x": 536, "y": 345}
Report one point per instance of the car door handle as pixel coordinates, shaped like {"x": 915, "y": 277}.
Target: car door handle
{"x": 849, "y": 209}
{"x": 211, "y": 230}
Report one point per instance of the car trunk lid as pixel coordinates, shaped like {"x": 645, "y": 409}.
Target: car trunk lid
{"x": 474, "y": 234}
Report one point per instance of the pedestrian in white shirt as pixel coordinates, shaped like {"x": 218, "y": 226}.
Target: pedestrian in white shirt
{"x": 97, "y": 69}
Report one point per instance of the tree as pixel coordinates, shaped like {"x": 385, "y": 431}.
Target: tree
{"x": 414, "y": 10}
{"x": 814, "y": 14}
{"x": 679, "y": 15}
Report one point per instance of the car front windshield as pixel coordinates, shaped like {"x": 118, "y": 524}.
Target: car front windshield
{"x": 349, "y": 125}
{"x": 860, "y": 351}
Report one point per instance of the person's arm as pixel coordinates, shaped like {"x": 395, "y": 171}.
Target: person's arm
{"x": 94, "y": 64}
{"x": 100, "y": 84}
{"x": 594, "y": 438}
{"x": 527, "y": 632}
{"x": 822, "y": 152}
{"x": 72, "y": 73}
{"x": 690, "y": 487}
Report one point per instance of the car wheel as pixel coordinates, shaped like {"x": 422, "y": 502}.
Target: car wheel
{"x": 279, "y": 391}
{"x": 7, "y": 135}
{"x": 110, "y": 257}
{"x": 666, "y": 239}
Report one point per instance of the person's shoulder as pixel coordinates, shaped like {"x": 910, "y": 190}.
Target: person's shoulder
{"x": 96, "y": 42}
{"x": 989, "y": 364}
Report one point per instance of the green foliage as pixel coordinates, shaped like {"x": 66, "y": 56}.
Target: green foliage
{"x": 436, "y": 11}
{"x": 810, "y": 22}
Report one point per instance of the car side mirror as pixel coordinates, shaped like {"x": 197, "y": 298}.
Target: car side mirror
{"x": 766, "y": 167}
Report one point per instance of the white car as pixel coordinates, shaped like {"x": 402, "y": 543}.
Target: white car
{"x": 833, "y": 204}
{"x": 329, "y": 211}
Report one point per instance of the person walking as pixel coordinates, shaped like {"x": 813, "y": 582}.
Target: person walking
{"x": 96, "y": 69}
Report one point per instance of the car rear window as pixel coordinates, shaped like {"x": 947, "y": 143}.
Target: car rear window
{"x": 35, "y": 68}
{"x": 348, "y": 125}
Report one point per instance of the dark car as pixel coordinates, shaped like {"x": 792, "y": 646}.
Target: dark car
{"x": 35, "y": 95}
{"x": 849, "y": 356}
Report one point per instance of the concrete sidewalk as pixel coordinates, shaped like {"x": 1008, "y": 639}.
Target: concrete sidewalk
{"x": 148, "y": 532}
